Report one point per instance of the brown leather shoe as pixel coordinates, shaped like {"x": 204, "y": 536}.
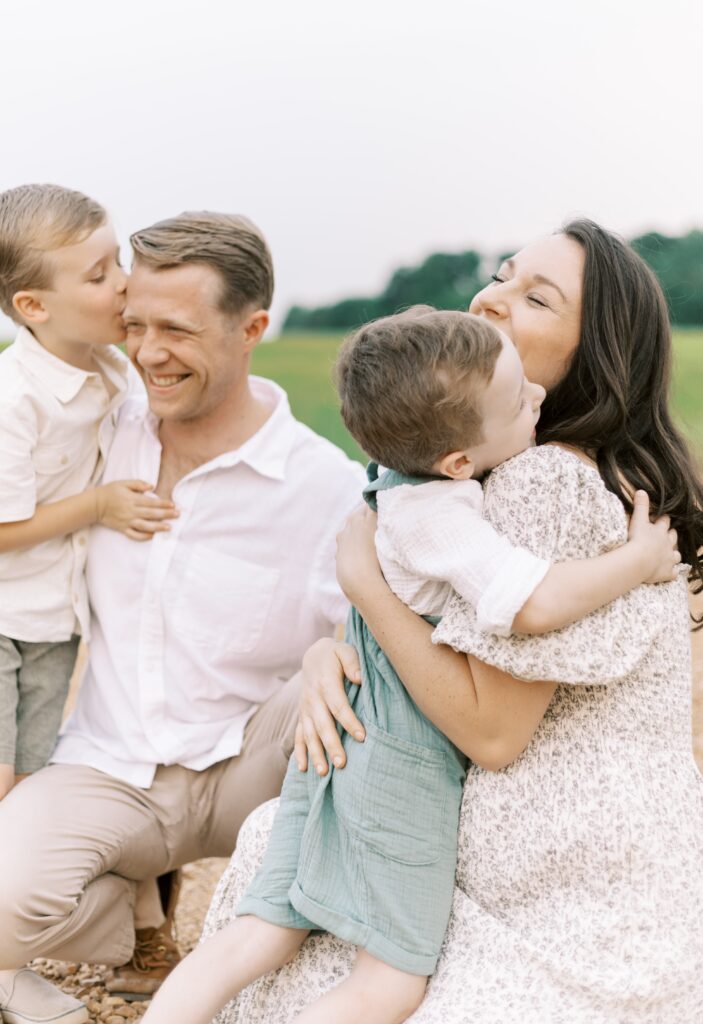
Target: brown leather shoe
{"x": 155, "y": 951}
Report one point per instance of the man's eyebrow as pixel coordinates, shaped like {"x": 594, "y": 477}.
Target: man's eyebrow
{"x": 163, "y": 322}
{"x": 177, "y": 325}
{"x": 539, "y": 278}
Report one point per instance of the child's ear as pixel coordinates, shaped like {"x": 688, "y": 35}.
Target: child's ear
{"x": 456, "y": 466}
{"x": 30, "y": 307}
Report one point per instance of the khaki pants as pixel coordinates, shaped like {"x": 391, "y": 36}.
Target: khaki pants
{"x": 74, "y": 842}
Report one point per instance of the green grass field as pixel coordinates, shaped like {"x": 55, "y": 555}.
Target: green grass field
{"x": 302, "y": 364}
{"x": 688, "y": 385}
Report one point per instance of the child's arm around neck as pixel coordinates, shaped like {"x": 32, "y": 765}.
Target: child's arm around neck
{"x": 571, "y": 590}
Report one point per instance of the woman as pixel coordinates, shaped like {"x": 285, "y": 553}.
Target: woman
{"x": 578, "y": 894}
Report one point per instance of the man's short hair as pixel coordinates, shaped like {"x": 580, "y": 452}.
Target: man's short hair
{"x": 228, "y": 243}
{"x": 34, "y": 221}
{"x": 411, "y": 385}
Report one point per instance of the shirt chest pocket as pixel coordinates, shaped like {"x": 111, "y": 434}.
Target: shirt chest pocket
{"x": 224, "y": 602}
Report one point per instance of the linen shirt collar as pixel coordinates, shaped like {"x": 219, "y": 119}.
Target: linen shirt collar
{"x": 63, "y": 380}
{"x": 267, "y": 450}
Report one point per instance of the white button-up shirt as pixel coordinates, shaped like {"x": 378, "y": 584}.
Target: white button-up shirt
{"x": 195, "y": 628}
{"x": 55, "y": 423}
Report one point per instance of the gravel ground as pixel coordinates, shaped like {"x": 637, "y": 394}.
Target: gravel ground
{"x": 87, "y": 981}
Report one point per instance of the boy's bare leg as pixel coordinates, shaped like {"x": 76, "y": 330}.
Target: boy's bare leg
{"x": 7, "y": 779}
{"x": 374, "y": 992}
{"x": 228, "y": 961}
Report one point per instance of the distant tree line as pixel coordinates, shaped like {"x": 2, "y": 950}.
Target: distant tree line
{"x": 450, "y": 281}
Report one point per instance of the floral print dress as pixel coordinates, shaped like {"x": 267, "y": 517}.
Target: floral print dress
{"x": 579, "y": 882}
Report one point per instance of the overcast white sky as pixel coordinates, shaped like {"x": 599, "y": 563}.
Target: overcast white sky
{"x": 361, "y": 135}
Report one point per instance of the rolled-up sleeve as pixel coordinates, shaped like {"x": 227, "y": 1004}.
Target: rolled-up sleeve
{"x": 438, "y": 533}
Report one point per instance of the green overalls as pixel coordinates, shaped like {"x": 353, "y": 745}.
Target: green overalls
{"x": 368, "y": 852}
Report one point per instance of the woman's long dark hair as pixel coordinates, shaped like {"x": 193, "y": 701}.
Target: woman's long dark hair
{"x": 613, "y": 400}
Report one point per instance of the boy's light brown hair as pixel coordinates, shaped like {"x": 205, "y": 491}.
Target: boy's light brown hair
{"x": 34, "y": 221}
{"x": 228, "y": 243}
{"x": 411, "y": 385}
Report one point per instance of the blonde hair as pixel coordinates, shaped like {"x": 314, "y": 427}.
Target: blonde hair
{"x": 229, "y": 243}
{"x": 411, "y": 385}
{"x": 35, "y": 220}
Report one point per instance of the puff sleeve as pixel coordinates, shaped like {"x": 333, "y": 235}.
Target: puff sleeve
{"x": 553, "y": 503}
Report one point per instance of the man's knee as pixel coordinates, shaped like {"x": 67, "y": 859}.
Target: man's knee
{"x": 47, "y": 912}
{"x": 20, "y": 916}
{"x": 60, "y": 833}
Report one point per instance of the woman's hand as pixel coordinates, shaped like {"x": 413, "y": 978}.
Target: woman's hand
{"x": 323, "y": 703}
{"x": 656, "y": 542}
{"x": 357, "y": 563}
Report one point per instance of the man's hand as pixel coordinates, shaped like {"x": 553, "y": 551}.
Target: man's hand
{"x": 125, "y": 506}
{"x": 323, "y": 703}
{"x": 657, "y": 542}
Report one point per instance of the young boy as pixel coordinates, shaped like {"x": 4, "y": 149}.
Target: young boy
{"x": 369, "y": 852}
{"x": 61, "y": 384}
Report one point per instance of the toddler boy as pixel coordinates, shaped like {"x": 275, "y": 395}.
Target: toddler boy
{"x": 61, "y": 384}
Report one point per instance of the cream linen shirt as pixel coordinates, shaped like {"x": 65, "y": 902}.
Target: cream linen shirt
{"x": 56, "y": 423}
{"x": 432, "y": 543}
{"x": 194, "y": 629}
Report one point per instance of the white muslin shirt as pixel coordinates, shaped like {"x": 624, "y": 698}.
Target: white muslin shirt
{"x": 56, "y": 424}
{"x": 432, "y": 542}
{"x": 194, "y": 629}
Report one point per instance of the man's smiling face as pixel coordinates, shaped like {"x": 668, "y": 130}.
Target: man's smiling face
{"x": 191, "y": 356}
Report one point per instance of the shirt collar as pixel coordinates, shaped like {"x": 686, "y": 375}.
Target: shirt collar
{"x": 267, "y": 450}
{"x": 63, "y": 380}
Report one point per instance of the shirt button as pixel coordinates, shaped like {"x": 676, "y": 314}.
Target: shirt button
{"x": 81, "y": 540}
{"x": 64, "y": 460}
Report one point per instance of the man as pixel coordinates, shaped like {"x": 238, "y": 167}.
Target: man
{"x": 185, "y": 719}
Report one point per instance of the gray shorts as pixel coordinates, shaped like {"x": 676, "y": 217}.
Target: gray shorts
{"x": 34, "y": 680}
